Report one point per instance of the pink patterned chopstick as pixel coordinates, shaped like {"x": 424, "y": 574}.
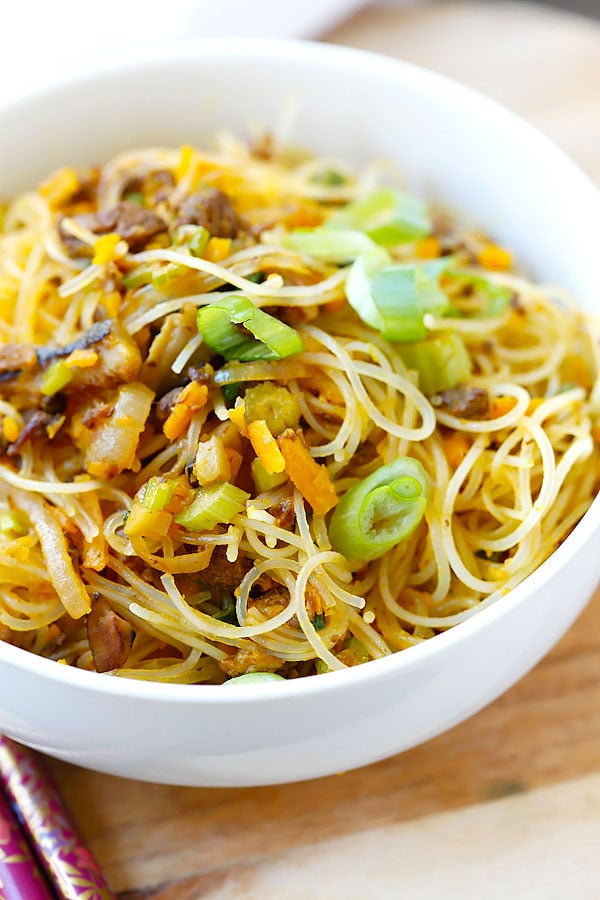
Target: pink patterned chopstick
{"x": 19, "y": 873}
{"x": 69, "y": 865}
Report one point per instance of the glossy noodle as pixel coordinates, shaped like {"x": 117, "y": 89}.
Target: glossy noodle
{"x": 260, "y": 413}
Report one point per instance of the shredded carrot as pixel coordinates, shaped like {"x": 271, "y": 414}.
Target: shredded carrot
{"x": 534, "y": 404}
{"x": 335, "y": 306}
{"x": 61, "y": 185}
{"x": 191, "y": 399}
{"x": 186, "y": 161}
{"x": 217, "y": 249}
{"x": 305, "y": 215}
{"x": 54, "y": 427}
{"x": 501, "y": 406}
{"x": 107, "y": 249}
{"x": 311, "y": 479}
{"x": 112, "y": 303}
{"x": 428, "y": 248}
{"x": 266, "y": 447}
{"x": 456, "y": 447}
{"x": 81, "y": 359}
{"x": 495, "y": 258}
{"x": 10, "y": 429}
{"x": 238, "y": 416}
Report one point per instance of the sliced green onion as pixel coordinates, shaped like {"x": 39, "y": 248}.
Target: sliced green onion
{"x": 138, "y": 277}
{"x": 387, "y": 216}
{"x": 135, "y": 197}
{"x": 194, "y": 237}
{"x": 12, "y": 525}
{"x": 255, "y": 678}
{"x": 358, "y": 286}
{"x": 380, "y": 511}
{"x": 56, "y": 377}
{"x": 158, "y": 493}
{"x": 328, "y": 178}
{"x": 495, "y": 297}
{"x": 394, "y": 299}
{"x": 218, "y": 504}
{"x": 336, "y": 245}
{"x": 261, "y": 336}
{"x": 403, "y": 295}
{"x": 167, "y": 273}
{"x": 442, "y": 361}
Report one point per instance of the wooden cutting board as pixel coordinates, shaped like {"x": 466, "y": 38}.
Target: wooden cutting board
{"x": 508, "y": 802}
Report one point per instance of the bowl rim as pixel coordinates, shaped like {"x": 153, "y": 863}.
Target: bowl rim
{"x": 473, "y": 103}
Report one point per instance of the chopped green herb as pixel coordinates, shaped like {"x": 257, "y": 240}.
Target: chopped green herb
{"x": 319, "y": 622}
{"x": 227, "y": 612}
{"x": 230, "y": 393}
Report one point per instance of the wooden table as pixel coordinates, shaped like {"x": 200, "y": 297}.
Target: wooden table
{"x": 506, "y": 804}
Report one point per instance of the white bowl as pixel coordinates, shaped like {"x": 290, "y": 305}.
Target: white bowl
{"x": 453, "y": 144}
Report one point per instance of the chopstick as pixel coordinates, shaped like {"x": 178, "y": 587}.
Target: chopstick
{"x": 19, "y": 874}
{"x": 51, "y": 832}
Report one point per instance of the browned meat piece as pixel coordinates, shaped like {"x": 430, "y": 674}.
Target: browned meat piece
{"x": 166, "y": 404}
{"x": 201, "y": 374}
{"x": 464, "y": 402}
{"x": 284, "y": 513}
{"x": 220, "y": 573}
{"x": 253, "y": 659}
{"x": 131, "y": 221}
{"x": 272, "y": 602}
{"x": 155, "y": 185}
{"x": 34, "y": 427}
{"x": 211, "y": 208}
{"x": 14, "y": 357}
{"x": 109, "y": 635}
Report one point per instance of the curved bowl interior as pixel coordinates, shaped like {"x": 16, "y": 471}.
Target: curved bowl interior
{"x": 452, "y": 145}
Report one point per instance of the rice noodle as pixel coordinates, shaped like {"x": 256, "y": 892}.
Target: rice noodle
{"x": 505, "y": 489}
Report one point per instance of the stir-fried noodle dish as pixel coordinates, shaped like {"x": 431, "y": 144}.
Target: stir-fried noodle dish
{"x": 266, "y": 416}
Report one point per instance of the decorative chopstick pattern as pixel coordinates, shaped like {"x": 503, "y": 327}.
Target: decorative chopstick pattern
{"x": 52, "y": 833}
{"x": 20, "y": 876}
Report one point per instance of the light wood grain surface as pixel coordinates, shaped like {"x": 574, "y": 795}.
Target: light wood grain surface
{"x": 507, "y": 803}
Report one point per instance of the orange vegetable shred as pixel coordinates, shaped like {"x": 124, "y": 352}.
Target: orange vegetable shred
{"x": 311, "y": 479}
